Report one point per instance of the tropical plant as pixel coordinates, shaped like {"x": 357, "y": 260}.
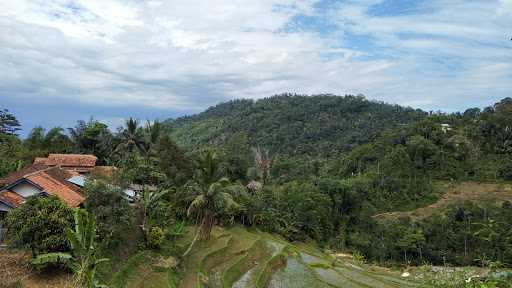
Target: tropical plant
{"x": 111, "y": 209}
{"x": 92, "y": 137}
{"x": 39, "y": 224}
{"x": 210, "y": 203}
{"x": 149, "y": 201}
{"x": 131, "y": 137}
{"x": 83, "y": 260}
{"x": 155, "y": 237}
{"x": 151, "y": 135}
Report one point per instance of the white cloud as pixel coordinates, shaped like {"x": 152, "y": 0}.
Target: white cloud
{"x": 191, "y": 54}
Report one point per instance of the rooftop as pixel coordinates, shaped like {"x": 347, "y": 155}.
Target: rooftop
{"x": 68, "y": 160}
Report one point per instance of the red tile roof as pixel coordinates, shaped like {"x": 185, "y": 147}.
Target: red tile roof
{"x": 54, "y": 182}
{"x": 68, "y": 160}
{"x": 10, "y": 198}
{"x": 15, "y": 176}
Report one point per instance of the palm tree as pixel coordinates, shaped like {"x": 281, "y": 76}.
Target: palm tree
{"x": 209, "y": 170}
{"x": 131, "y": 137}
{"x": 212, "y": 195}
{"x": 210, "y": 203}
{"x": 83, "y": 259}
{"x": 152, "y": 133}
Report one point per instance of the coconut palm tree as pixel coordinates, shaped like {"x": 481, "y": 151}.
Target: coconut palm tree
{"x": 131, "y": 137}
{"x": 212, "y": 195}
{"x": 210, "y": 203}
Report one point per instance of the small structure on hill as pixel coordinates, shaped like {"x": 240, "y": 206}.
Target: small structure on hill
{"x": 446, "y": 127}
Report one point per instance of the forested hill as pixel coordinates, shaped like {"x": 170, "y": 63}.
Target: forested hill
{"x": 293, "y": 124}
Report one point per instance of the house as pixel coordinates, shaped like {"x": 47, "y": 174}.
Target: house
{"x": 47, "y": 176}
{"x": 39, "y": 180}
{"x": 79, "y": 163}
{"x": 60, "y": 175}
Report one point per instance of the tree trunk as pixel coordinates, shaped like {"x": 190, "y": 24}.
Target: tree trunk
{"x": 207, "y": 225}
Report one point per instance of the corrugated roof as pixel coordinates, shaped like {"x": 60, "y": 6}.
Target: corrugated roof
{"x": 77, "y": 180}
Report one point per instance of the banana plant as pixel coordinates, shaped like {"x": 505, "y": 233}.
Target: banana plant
{"x": 83, "y": 260}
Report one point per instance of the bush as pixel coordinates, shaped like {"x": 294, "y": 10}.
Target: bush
{"x": 155, "y": 237}
{"x": 114, "y": 215}
{"x": 39, "y": 224}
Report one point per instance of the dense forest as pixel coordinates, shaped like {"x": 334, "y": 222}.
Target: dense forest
{"x": 309, "y": 168}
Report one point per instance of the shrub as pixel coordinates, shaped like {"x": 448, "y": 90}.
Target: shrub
{"x": 39, "y": 224}
{"x": 155, "y": 237}
{"x": 113, "y": 213}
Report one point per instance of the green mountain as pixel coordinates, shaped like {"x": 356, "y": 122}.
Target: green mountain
{"x": 293, "y": 124}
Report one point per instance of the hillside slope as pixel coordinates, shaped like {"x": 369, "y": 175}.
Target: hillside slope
{"x": 457, "y": 192}
{"x": 293, "y": 125}
{"x": 237, "y": 257}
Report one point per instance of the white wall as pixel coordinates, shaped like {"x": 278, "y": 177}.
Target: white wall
{"x": 25, "y": 189}
{"x": 4, "y": 207}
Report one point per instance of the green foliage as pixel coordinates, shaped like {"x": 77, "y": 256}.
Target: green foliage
{"x": 93, "y": 137}
{"x": 83, "y": 261}
{"x": 41, "y": 143}
{"x": 45, "y": 261}
{"x": 8, "y": 123}
{"x": 112, "y": 211}
{"x": 177, "y": 229}
{"x": 155, "y": 237}
{"x": 320, "y": 125}
{"x": 39, "y": 224}
{"x": 12, "y": 154}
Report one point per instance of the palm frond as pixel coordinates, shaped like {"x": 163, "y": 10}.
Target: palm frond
{"x": 198, "y": 203}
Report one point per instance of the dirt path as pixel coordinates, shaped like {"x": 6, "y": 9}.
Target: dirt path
{"x": 457, "y": 192}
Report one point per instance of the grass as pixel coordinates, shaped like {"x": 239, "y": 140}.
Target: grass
{"x": 126, "y": 272}
{"x": 455, "y": 192}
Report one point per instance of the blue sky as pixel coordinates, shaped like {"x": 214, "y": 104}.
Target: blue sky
{"x": 65, "y": 60}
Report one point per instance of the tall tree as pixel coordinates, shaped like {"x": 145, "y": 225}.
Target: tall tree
{"x": 210, "y": 203}
{"x": 92, "y": 137}
{"x": 212, "y": 193}
{"x": 8, "y": 123}
{"x": 131, "y": 137}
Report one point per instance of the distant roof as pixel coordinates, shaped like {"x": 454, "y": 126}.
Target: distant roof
{"x": 10, "y": 198}
{"x": 73, "y": 160}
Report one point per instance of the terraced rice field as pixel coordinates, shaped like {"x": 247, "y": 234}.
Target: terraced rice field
{"x": 240, "y": 258}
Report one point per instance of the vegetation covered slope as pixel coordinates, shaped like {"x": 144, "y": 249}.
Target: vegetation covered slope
{"x": 292, "y": 124}
{"x": 455, "y": 193}
{"x": 237, "y": 257}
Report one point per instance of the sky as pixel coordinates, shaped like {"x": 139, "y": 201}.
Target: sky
{"x": 65, "y": 60}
